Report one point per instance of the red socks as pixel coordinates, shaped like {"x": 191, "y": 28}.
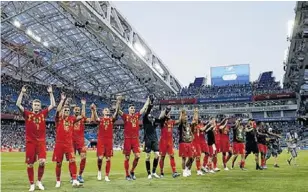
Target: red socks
{"x": 198, "y": 164}
{"x": 215, "y": 161}
{"x": 99, "y": 164}
{"x": 126, "y": 166}
{"x": 73, "y": 170}
{"x": 82, "y": 166}
{"x": 135, "y": 163}
{"x": 205, "y": 160}
{"x": 58, "y": 172}
{"x": 172, "y": 163}
{"x": 108, "y": 164}
{"x": 40, "y": 171}
{"x": 30, "y": 171}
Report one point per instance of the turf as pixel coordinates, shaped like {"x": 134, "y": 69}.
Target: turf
{"x": 286, "y": 178}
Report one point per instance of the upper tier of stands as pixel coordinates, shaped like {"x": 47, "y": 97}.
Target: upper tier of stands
{"x": 266, "y": 84}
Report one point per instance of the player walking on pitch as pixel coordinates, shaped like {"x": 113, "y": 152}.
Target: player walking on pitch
{"x": 150, "y": 138}
{"x": 35, "y": 124}
{"x": 78, "y": 139}
{"x": 64, "y": 140}
{"x": 291, "y": 139}
{"x": 166, "y": 142}
{"x": 131, "y": 137}
{"x": 105, "y": 139}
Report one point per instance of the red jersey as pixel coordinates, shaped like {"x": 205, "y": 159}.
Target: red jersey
{"x": 217, "y": 132}
{"x": 167, "y": 130}
{"x": 65, "y": 128}
{"x": 35, "y": 124}
{"x": 105, "y": 130}
{"x": 197, "y": 133}
{"x": 202, "y": 136}
{"x": 225, "y": 130}
{"x": 78, "y": 132}
{"x": 131, "y": 125}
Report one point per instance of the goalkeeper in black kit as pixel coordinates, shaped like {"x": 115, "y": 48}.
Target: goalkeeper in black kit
{"x": 150, "y": 139}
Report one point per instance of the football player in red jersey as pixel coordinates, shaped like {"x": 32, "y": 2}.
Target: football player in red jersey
{"x": 78, "y": 139}
{"x": 35, "y": 124}
{"x": 131, "y": 137}
{"x": 204, "y": 147}
{"x": 64, "y": 140}
{"x": 217, "y": 143}
{"x": 225, "y": 144}
{"x": 166, "y": 141}
{"x": 105, "y": 139}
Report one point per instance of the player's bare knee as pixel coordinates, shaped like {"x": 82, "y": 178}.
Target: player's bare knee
{"x": 83, "y": 155}
{"x": 72, "y": 161}
{"x": 108, "y": 158}
{"x": 137, "y": 155}
{"x": 42, "y": 162}
{"x": 100, "y": 157}
{"x": 156, "y": 155}
{"x": 127, "y": 157}
{"x": 59, "y": 164}
{"x": 30, "y": 165}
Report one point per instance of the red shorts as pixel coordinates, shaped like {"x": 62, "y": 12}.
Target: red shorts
{"x": 211, "y": 150}
{"x": 79, "y": 147}
{"x": 104, "y": 148}
{"x": 204, "y": 147}
{"x": 218, "y": 146}
{"x": 225, "y": 145}
{"x": 185, "y": 150}
{"x": 165, "y": 147}
{"x": 262, "y": 148}
{"x": 239, "y": 148}
{"x": 131, "y": 144}
{"x": 63, "y": 149}
{"x": 35, "y": 151}
{"x": 196, "y": 149}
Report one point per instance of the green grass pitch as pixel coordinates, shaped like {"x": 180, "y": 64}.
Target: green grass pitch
{"x": 286, "y": 178}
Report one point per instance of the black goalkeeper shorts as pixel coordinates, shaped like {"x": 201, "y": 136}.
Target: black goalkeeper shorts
{"x": 252, "y": 148}
{"x": 150, "y": 145}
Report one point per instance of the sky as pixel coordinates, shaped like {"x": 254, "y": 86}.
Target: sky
{"x": 191, "y": 37}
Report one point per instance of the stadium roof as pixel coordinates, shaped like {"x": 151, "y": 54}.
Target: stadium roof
{"x": 85, "y": 45}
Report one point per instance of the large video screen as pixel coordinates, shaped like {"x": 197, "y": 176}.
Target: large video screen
{"x": 230, "y": 75}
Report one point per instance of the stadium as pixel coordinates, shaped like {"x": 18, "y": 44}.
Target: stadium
{"x": 94, "y": 58}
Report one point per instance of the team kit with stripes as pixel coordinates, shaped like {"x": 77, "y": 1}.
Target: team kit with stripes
{"x": 249, "y": 137}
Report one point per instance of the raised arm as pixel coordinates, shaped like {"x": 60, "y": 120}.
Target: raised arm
{"x": 145, "y": 106}
{"x": 52, "y": 99}
{"x": 224, "y": 125}
{"x": 18, "y": 103}
{"x": 60, "y": 106}
{"x": 119, "y": 99}
{"x": 83, "y": 107}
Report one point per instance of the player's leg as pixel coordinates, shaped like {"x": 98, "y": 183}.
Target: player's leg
{"x": 41, "y": 169}
{"x": 172, "y": 164}
{"x": 72, "y": 165}
{"x": 291, "y": 156}
{"x": 108, "y": 154}
{"x": 83, "y": 158}
{"x": 162, "y": 152}
{"x": 148, "y": 163}
{"x": 99, "y": 167}
{"x": 58, "y": 158}
{"x": 242, "y": 152}
{"x": 136, "y": 150}
{"x": 30, "y": 159}
{"x": 126, "y": 152}
{"x": 235, "y": 152}
{"x": 154, "y": 147}
{"x": 100, "y": 150}
{"x": 41, "y": 151}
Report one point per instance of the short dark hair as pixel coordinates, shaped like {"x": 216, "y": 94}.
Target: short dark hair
{"x": 131, "y": 105}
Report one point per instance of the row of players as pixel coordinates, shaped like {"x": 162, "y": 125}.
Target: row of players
{"x": 70, "y": 139}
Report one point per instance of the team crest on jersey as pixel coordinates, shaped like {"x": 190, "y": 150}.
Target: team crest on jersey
{"x": 37, "y": 120}
{"x": 66, "y": 125}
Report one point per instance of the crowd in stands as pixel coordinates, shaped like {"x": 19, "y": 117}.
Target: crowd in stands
{"x": 10, "y": 89}
{"x": 13, "y": 133}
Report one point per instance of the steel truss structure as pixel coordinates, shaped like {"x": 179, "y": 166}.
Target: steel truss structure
{"x": 297, "y": 58}
{"x": 88, "y": 46}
